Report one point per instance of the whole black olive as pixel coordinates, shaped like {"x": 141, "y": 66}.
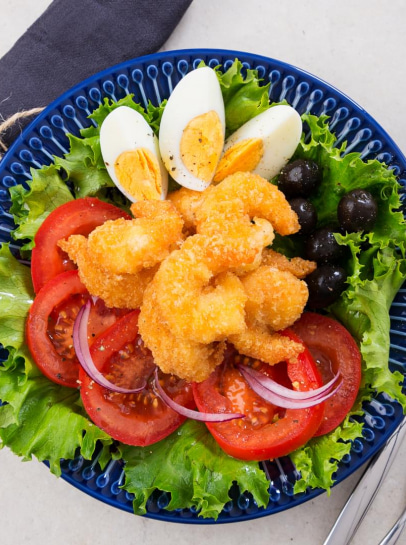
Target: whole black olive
{"x": 321, "y": 246}
{"x": 306, "y": 213}
{"x": 299, "y": 178}
{"x": 357, "y": 211}
{"x": 325, "y": 285}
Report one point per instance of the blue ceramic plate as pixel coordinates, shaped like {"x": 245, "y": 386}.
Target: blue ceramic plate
{"x": 152, "y": 78}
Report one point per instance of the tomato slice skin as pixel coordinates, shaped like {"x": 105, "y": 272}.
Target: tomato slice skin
{"x": 333, "y": 349}
{"x": 50, "y": 323}
{"x": 139, "y": 419}
{"x": 58, "y": 290}
{"x": 78, "y": 216}
{"x": 282, "y": 430}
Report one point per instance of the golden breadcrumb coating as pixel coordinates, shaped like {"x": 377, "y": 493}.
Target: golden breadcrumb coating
{"x": 199, "y": 268}
{"x": 116, "y": 290}
{"x": 260, "y": 343}
{"x": 186, "y": 202}
{"x": 187, "y": 359}
{"x": 275, "y": 298}
{"x": 241, "y": 198}
{"x": 198, "y": 299}
{"x": 297, "y": 266}
{"x": 128, "y": 246}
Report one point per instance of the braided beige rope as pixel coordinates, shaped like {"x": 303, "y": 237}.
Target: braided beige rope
{"x": 8, "y": 123}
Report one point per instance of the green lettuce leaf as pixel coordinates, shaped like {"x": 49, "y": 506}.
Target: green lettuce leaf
{"x": 37, "y": 417}
{"x": 30, "y": 206}
{"x": 82, "y": 166}
{"x": 244, "y": 97}
{"x": 364, "y": 310}
{"x": 342, "y": 173}
{"x": 45, "y": 420}
{"x": 193, "y": 469}
{"x": 16, "y": 298}
{"x": 318, "y": 460}
{"x": 152, "y": 114}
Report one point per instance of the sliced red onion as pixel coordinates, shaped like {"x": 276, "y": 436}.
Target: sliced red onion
{"x": 283, "y": 401}
{"x": 81, "y": 346}
{"x": 277, "y": 388}
{"x": 189, "y": 413}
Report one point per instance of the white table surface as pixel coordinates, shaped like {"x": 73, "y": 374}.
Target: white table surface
{"x": 359, "y": 46}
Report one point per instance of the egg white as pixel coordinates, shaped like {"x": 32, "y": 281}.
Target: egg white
{"x": 280, "y": 128}
{"x": 125, "y": 129}
{"x": 196, "y": 94}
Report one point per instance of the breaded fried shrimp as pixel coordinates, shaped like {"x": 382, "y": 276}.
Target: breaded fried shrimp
{"x": 121, "y": 291}
{"x": 297, "y": 266}
{"x": 195, "y": 266}
{"x": 275, "y": 298}
{"x": 198, "y": 299}
{"x": 241, "y": 198}
{"x": 187, "y": 359}
{"x": 186, "y": 202}
{"x": 128, "y": 246}
{"x": 260, "y": 343}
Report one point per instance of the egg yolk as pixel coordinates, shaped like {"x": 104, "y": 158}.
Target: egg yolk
{"x": 244, "y": 156}
{"x": 201, "y": 145}
{"x": 139, "y": 175}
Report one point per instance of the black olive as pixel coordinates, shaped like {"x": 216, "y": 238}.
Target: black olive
{"x": 306, "y": 213}
{"x": 357, "y": 211}
{"x": 325, "y": 285}
{"x": 321, "y": 246}
{"x": 299, "y": 178}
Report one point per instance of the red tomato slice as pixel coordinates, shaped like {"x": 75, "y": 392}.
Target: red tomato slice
{"x": 333, "y": 349}
{"x": 135, "y": 419}
{"x": 267, "y": 431}
{"x": 50, "y": 325}
{"x": 79, "y": 216}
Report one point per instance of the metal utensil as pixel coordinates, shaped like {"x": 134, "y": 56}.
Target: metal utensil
{"x": 365, "y": 491}
{"x": 394, "y": 534}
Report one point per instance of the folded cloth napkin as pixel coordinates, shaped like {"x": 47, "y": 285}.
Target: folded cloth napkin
{"x": 72, "y": 40}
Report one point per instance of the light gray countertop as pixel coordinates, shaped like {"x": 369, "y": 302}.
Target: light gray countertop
{"x": 360, "y": 48}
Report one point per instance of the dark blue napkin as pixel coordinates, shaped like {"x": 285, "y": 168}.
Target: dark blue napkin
{"x": 72, "y": 40}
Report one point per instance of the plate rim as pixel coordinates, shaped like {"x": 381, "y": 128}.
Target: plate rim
{"x": 203, "y": 51}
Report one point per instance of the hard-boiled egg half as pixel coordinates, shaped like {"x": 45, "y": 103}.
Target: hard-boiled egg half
{"x": 131, "y": 154}
{"x": 191, "y": 134}
{"x": 263, "y": 145}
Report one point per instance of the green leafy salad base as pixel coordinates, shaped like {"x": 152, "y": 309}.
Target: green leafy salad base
{"x": 42, "y": 419}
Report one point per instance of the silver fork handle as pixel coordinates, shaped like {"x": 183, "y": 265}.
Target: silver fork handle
{"x": 364, "y": 493}
{"x": 394, "y": 534}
